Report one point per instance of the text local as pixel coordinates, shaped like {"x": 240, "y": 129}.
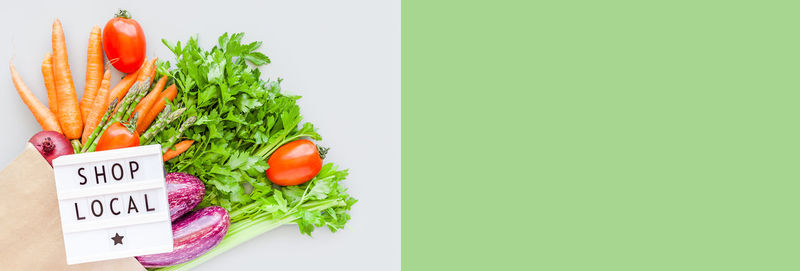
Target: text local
{"x": 98, "y": 209}
{"x": 117, "y": 205}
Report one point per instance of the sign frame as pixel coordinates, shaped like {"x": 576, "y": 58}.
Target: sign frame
{"x": 151, "y": 228}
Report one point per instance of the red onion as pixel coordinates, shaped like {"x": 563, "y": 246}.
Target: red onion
{"x": 51, "y": 145}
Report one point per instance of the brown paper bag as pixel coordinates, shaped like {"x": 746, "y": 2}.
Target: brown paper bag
{"x": 30, "y": 225}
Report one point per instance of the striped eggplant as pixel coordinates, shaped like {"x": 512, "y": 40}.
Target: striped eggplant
{"x": 193, "y": 235}
{"x": 184, "y": 192}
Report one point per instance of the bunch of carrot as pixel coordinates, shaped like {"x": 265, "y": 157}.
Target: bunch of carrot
{"x": 84, "y": 122}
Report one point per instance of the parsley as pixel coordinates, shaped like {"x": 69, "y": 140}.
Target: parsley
{"x": 241, "y": 120}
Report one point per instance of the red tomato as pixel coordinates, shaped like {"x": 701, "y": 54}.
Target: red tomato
{"x": 123, "y": 42}
{"x": 294, "y": 163}
{"x": 118, "y": 136}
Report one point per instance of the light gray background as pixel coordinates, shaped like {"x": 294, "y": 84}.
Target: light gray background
{"x": 343, "y": 57}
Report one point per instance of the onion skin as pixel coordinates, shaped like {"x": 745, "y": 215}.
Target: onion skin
{"x": 184, "y": 192}
{"x": 51, "y": 145}
{"x": 193, "y": 235}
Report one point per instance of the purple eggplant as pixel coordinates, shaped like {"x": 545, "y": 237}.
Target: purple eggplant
{"x": 193, "y": 235}
{"x": 184, "y": 192}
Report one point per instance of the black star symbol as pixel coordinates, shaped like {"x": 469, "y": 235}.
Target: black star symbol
{"x": 117, "y": 239}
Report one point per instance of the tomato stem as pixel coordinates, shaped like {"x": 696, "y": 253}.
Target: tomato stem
{"x": 132, "y": 124}
{"x": 322, "y": 151}
{"x": 122, "y": 14}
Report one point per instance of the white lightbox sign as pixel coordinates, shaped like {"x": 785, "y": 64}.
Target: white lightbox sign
{"x": 113, "y": 204}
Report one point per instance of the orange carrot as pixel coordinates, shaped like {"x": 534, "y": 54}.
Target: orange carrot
{"x": 69, "y": 113}
{"x": 119, "y": 91}
{"x": 146, "y": 70}
{"x": 179, "y": 148}
{"x": 98, "y": 108}
{"x": 147, "y": 102}
{"x": 121, "y": 88}
{"x": 46, "y": 118}
{"x": 49, "y": 84}
{"x": 152, "y": 74}
{"x": 144, "y": 75}
{"x": 94, "y": 72}
{"x": 158, "y": 105}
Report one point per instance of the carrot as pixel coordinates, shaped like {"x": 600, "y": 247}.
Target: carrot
{"x": 98, "y": 108}
{"x": 143, "y": 77}
{"x": 121, "y": 88}
{"x": 158, "y": 105}
{"x": 146, "y": 70}
{"x": 179, "y": 148}
{"x": 150, "y": 70}
{"x": 152, "y": 74}
{"x": 94, "y": 72}
{"x": 147, "y": 102}
{"x": 69, "y": 113}
{"x": 46, "y": 118}
{"x": 49, "y": 84}
{"x": 119, "y": 91}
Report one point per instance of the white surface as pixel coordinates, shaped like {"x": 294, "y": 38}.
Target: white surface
{"x": 94, "y": 207}
{"x": 343, "y": 57}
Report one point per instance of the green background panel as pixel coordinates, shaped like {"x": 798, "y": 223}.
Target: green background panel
{"x": 600, "y": 135}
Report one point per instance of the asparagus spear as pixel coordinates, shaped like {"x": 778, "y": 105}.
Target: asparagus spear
{"x": 161, "y": 116}
{"x": 137, "y": 99}
{"x": 161, "y": 122}
{"x": 186, "y": 124}
{"x": 127, "y": 101}
{"x": 95, "y": 134}
{"x": 127, "y": 105}
{"x": 131, "y": 125}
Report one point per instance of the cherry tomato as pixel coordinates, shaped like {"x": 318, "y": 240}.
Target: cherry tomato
{"x": 294, "y": 163}
{"x": 118, "y": 136}
{"x": 124, "y": 43}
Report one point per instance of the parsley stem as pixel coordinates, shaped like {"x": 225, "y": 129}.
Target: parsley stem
{"x": 267, "y": 150}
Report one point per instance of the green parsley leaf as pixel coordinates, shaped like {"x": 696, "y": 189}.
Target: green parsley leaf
{"x": 241, "y": 120}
